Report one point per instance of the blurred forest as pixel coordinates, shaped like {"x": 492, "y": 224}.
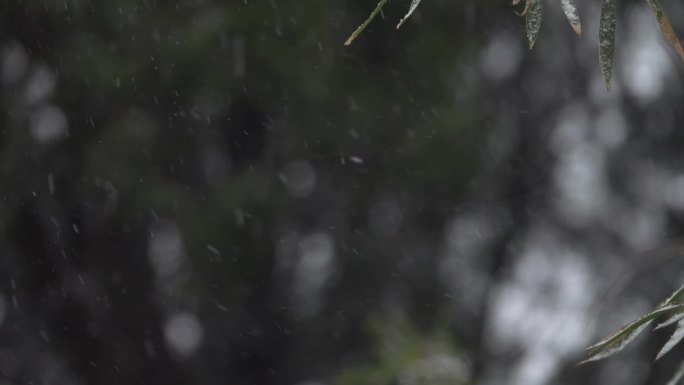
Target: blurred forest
{"x": 221, "y": 192}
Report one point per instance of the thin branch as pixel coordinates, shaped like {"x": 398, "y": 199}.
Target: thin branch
{"x": 363, "y": 26}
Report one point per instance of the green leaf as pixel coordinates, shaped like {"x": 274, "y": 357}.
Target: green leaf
{"x": 363, "y": 26}
{"x": 672, "y": 299}
{"x": 607, "y": 40}
{"x": 533, "y": 19}
{"x": 571, "y": 13}
{"x": 678, "y": 376}
{"x": 412, "y": 8}
{"x": 674, "y": 340}
{"x": 617, "y": 341}
{"x": 665, "y": 26}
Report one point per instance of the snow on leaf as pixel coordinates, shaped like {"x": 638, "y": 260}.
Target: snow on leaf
{"x": 607, "y": 40}
{"x": 571, "y": 13}
{"x": 665, "y": 26}
{"x": 412, "y": 8}
{"x": 674, "y": 318}
{"x": 675, "y": 297}
{"x": 674, "y": 340}
{"x": 678, "y": 376}
{"x": 533, "y": 19}
{"x": 617, "y": 341}
{"x": 363, "y": 26}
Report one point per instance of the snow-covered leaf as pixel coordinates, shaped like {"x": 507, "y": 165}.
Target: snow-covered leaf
{"x": 674, "y": 340}
{"x": 617, "y": 341}
{"x": 675, "y": 297}
{"x": 607, "y": 40}
{"x": 533, "y": 19}
{"x": 412, "y": 8}
{"x": 665, "y": 26}
{"x": 674, "y": 318}
{"x": 570, "y": 9}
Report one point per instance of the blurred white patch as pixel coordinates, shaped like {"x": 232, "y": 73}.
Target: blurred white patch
{"x": 641, "y": 227}
{"x": 437, "y": 369}
{"x": 299, "y": 177}
{"x": 646, "y": 62}
{"x": 165, "y": 249}
{"x": 674, "y": 192}
{"x": 183, "y": 333}
{"x": 536, "y": 367}
{"x": 14, "y": 64}
{"x": 579, "y": 179}
{"x": 542, "y": 308}
{"x": 611, "y": 128}
{"x": 502, "y": 57}
{"x": 48, "y": 123}
{"x": 312, "y": 271}
{"x": 385, "y": 218}
{"x": 467, "y": 237}
{"x": 41, "y": 85}
{"x": 572, "y": 128}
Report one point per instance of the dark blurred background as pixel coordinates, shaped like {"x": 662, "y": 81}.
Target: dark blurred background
{"x": 221, "y": 192}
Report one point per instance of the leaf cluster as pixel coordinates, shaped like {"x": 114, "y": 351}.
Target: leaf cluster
{"x": 533, "y": 12}
{"x": 608, "y": 25}
{"x": 673, "y": 308}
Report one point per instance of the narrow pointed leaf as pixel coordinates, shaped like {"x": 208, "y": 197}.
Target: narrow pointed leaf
{"x": 678, "y": 376}
{"x": 571, "y": 13}
{"x": 665, "y": 26}
{"x": 533, "y": 19}
{"x": 363, "y": 26}
{"x": 617, "y": 341}
{"x": 675, "y": 297}
{"x": 412, "y": 8}
{"x": 607, "y": 40}
{"x": 674, "y": 318}
{"x": 674, "y": 340}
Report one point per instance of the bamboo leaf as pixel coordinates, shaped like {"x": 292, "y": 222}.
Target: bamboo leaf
{"x": 619, "y": 340}
{"x": 674, "y": 318}
{"x": 533, "y": 19}
{"x": 665, "y": 26}
{"x": 363, "y": 26}
{"x": 570, "y": 10}
{"x": 674, "y": 340}
{"x": 412, "y": 8}
{"x": 607, "y": 40}
{"x": 675, "y": 297}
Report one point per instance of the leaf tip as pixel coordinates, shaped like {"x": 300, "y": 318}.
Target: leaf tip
{"x": 578, "y": 29}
